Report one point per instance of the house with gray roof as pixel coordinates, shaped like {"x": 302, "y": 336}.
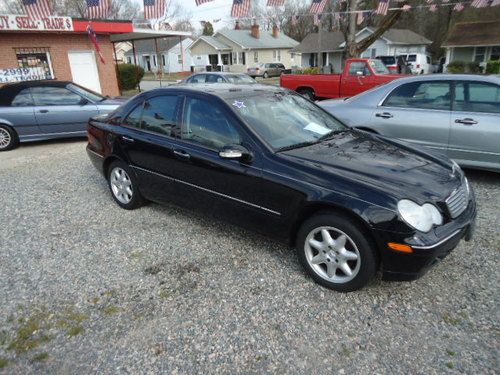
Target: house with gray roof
{"x": 327, "y": 48}
{"x": 236, "y": 50}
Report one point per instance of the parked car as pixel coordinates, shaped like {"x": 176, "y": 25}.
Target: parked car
{"x": 271, "y": 160}
{"x": 395, "y": 64}
{"x": 39, "y": 110}
{"x": 266, "y": 70}
{"x": 359, "y": 75}
{"x": 420, "y": 63}
{"x": 220, "y": 77}
{"x": 457, "y": 115}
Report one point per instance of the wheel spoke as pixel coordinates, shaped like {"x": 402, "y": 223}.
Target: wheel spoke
{"x": 331, "y": 269}
{"x": 117, "y": 174}
{"x": 341, "y": 241}
{"x": 128, "y": 190}
{"x": 327, "y": 238}
{"x": 345, "y": 268}
{"x": 349, "y": 255}
{"x": 318, "y": 259}
{"x": 316, "y": 244}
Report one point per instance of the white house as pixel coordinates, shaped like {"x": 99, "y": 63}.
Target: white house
{"x": 327, "y": 48}
{"x": 174, "y": 54}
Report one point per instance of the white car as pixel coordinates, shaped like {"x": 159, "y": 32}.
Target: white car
{"x": 420, "y": 63}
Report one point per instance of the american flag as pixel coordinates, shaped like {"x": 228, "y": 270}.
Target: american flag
{"x": 317, "y": 6}
{"x": 317, "y": 19}
{"x": 240, "y": 8}
{"x": 479, "y": 3}
{"x": 37, "y": 9}
{"x": 275, "y": 3}
{"x": 93, "y": 38}
{"x": 433, "y": 8}
{"x": 406, "y": 8}
{"x": 495, "y": 3}
{"x": 97, "y": 8}
{"x": 383, "y": 7}
{"x": 199, "y": 2}
{"x": 459, "y": 7}
{"x": 154, "y": 9}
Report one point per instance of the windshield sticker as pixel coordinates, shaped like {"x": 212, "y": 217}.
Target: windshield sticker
{"x": 316, "y": 128}
{"x": 239, "y": 105}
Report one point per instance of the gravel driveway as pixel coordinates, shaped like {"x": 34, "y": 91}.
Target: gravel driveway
{"x": 86, "y": 287}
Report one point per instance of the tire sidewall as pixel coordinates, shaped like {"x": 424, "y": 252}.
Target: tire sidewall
{"x": 14, "y": 140}
{"x": 366, "y": 248}
{"x": 137, "y": 199}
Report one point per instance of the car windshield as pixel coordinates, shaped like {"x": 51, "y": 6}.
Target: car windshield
{"x": 90, "y": 95}
{"x": 286, "y": 121}
{"x": 388, "y": 60}
{"x": 378, "y": 67}
{"x": 412, "y": 58}
{"x": 240, "y": 78}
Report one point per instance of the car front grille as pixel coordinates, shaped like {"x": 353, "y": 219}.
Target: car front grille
{"x": 457, "y": 201}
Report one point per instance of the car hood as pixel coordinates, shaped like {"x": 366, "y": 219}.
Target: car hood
{"x": 385, "y": 165}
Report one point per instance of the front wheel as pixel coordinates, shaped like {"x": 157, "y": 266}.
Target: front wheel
{"x": 334, "y": 251}
{"x": 265, "y": 75}
{"x": 8, "y": 138}
{"x": 306, "y": 93}
{"x": 124, "y": 186}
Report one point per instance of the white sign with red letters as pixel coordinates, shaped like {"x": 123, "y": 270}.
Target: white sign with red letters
{"x": 12, "y": 22}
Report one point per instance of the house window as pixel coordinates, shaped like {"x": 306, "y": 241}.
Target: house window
{"x": 179, "y": 59}
{"x": 479, "y": 54}
{"x": 495, "y": 53}
{"x": 155, "y": 63}
{"x": 279, "y": 55}
{"x": 163, "y": 60}
{"x": 373, "y": 53}
{"x": 256, "y": 57}
{"x": 241, "y": 57}
{"x": 129, "y": 60}
{"x": 234, "y": 57}
{"x": 37, "y": 59}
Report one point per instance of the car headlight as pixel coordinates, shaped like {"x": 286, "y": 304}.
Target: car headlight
{"x": 421, "y": 218}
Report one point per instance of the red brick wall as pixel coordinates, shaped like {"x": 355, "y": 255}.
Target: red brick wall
{"x": 59, "y": 45}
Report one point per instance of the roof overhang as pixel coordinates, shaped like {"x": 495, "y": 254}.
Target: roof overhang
{"x": 470, "y": 46}
{"x": 144, "y": 34}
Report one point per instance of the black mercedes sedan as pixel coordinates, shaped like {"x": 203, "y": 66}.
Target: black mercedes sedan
{"x": 263, "y": 157}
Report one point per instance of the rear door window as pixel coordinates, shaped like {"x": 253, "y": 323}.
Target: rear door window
{"x": 22, "y": 99}
{"x": 425, "y": 95}
{"x": 412, "y": 58}
{"x": 160, "y": 115}
{"x": 54, "y": 96}
{"x": 133, "y": 119}
{"x": 477, "y": 97}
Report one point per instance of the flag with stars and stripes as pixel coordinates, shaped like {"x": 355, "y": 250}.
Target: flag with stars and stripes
{"x": 479, "y": 3}
{"x": 97, "y": 8}
{"x": 383, "y": 7}
{"x": 240, "y": 8}
{"x": 154, "y": 9}
{"x": 317, "y": 6}
{"x": 93, "y": 38}
{"x": 275, "y": 3}
{"x": 317, "y": 19}
{"x": 495, "y": 3}
{"x": 37, "y": 9}
{"x": 362, "y": 16}
{"x": 199, "y": 2}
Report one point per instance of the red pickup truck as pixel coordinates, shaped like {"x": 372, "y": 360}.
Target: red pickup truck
{"x": 359, "y": 75}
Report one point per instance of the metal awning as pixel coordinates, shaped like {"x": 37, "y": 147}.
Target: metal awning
{"x": 144, "y": 34}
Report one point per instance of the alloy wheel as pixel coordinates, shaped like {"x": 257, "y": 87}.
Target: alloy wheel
{"x": 121, "y": 185}
{"x": 332, "y": 254}
{"x": 5, "y": 138}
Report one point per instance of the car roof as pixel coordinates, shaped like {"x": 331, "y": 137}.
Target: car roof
{"x": 222, "y": 73}
{"x": 448, "y": 77}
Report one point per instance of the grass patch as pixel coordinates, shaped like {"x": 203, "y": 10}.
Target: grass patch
{"x": 3, "y": 362}
{"x": 42, "y": 357}
{"x": 449, "y": 365}
{"x": 136, "y": 255}
{"x": 110, "y": 310}
{"x": 29, "y": 335}
{"x": 448, "y": 318}
{"x": 451, "y": 353}
{"x": 75, "y": 331}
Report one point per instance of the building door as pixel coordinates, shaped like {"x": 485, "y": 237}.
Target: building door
{"x": 84, "y": 70}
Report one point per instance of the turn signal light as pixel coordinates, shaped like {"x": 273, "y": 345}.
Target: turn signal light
{"x": 400, "y": 247}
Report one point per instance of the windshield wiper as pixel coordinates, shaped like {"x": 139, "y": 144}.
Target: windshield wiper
{"x": 297, "y": 145}
{"x": 331, "y": 134}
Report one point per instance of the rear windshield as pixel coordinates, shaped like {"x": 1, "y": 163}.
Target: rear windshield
{"x": 240, "y": 78}
{"x": 412, "y": 58}
{"x": 378, "y": 67}
{"x": 388, "y": 60}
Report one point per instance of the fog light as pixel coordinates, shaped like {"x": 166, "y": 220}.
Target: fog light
{"x": 400, "y": 247}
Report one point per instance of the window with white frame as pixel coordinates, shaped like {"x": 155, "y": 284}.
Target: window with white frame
{"x": 495, "y": 53}
{"x": 256, "y": 56}
{"x": 479, "y": 54}
{"x": 241, "y": 58}
{"x": 37, "y": 59}
{"x": 179, "y": 59}
{"x": 234, "y": 57}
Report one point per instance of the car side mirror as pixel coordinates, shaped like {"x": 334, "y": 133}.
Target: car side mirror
{"x": 236, "y": 152}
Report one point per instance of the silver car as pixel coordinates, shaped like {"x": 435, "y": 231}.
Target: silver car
{"x": 458, "y": 115}
{"x": 38, "y": 110}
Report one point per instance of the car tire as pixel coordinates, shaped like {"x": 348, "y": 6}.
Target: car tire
{"x": 123, "y": 185}
{"x": 335, "y": 253}
{"x": 306, "y": 93}
{"x": 265, "y": 75}
{"x": 8, "y": 138}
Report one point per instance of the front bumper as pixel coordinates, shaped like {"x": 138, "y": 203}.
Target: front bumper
{"x": 399, "y": 266}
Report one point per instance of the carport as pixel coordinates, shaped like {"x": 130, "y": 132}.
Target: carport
{"x": 146, "y": 34}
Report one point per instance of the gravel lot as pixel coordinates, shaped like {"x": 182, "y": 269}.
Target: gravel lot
{"x": 86, "y": 287}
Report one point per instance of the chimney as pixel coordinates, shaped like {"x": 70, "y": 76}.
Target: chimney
{"x": 255, "y": 31}
{"x": 237, "y": 25}
{"x": 276, "y": 31}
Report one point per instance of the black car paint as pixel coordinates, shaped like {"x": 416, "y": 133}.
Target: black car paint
{"x": 359, "y": 174}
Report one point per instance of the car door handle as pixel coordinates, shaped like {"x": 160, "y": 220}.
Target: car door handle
{"x": 43, "y": 111}
{"x": 466, "y": 121}
{"x": 182, "y": 154}
{"x": 127, "y": 139}
{"x": 384, "y": 115}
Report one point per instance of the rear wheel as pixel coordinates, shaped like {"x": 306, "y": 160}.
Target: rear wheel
{"x": 266, "y": 75}
{"x": 306, "y": 93}
{"x": 334, "y": 251}
{"x": 124, "y": 186}
{"x": 8, "y": 138}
